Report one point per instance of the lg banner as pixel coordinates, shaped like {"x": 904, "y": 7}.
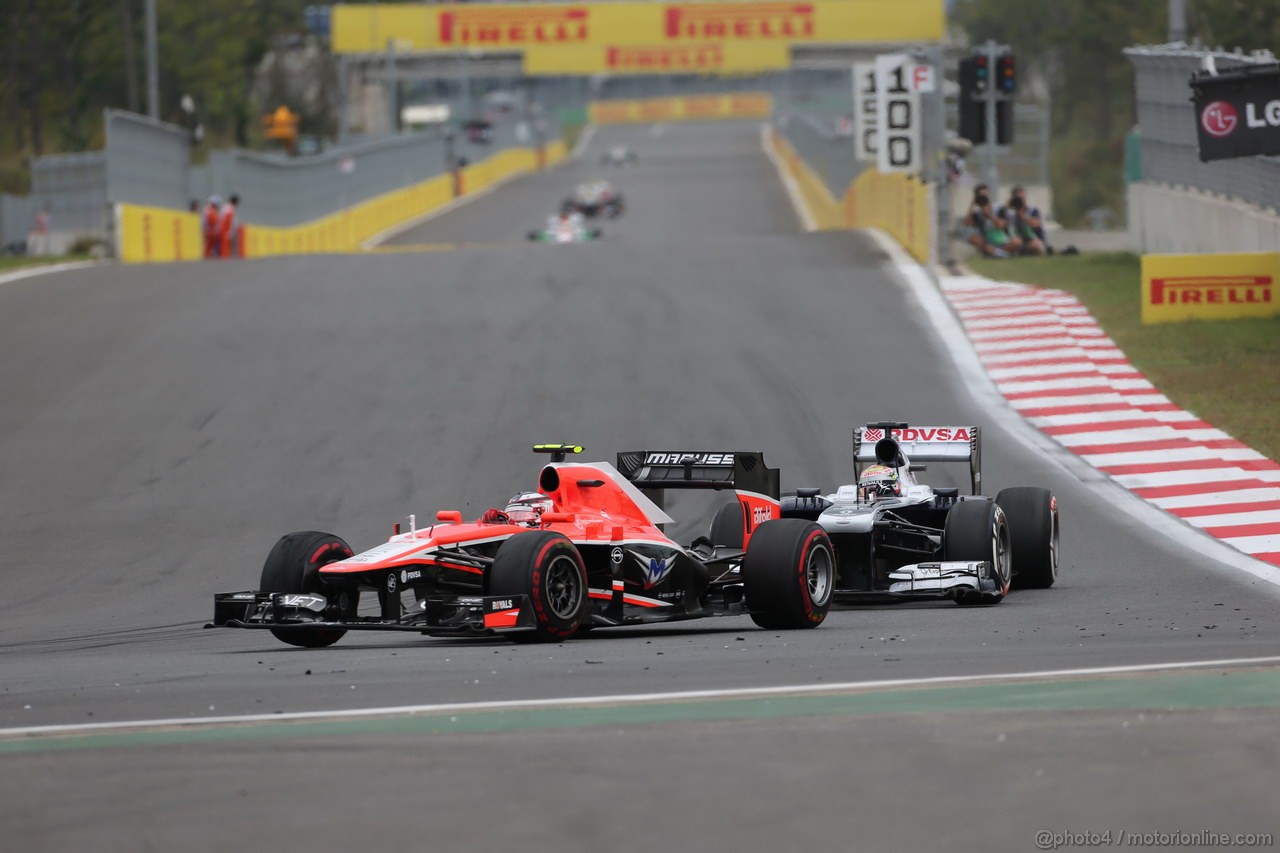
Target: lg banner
{"x": 1238, "y": 112}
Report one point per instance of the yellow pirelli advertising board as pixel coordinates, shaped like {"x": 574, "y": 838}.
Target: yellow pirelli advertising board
{"x": 372, "y": 28}
{"x": 1209, "y": 287}
{"x": 708, "y": 58}
{"x": 689, "y": 108}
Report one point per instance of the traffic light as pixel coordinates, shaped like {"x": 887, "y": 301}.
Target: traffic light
{"x": 1004, "y": 122}
{"x": 973, "y": 105}
{"x": 1006, "y": 79}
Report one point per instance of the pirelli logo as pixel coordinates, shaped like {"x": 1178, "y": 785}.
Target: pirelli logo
{"x": 508, "y": 27}
{"x": 711, "y": 21}
{"x": 695, "y": 58}
{"x": 1212, "y": 290}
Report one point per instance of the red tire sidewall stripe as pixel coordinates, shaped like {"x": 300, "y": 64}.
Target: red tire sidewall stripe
{"x": 803, "y": 577}
{"x": 539, "y": 606}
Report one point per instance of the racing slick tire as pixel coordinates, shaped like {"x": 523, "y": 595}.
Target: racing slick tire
{"x": 726, "y": 526}
{"x": 1033, "y": 535}
{"x": 977, "y": 530}
{"x": 546, "y": 567}
{"x": 789, "y": 572}
{"x": 294, "y": 566}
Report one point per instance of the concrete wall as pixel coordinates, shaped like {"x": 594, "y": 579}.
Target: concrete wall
{"x": 1165, "y": 219}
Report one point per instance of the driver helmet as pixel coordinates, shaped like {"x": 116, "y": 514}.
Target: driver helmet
{"x": 527, "y": 508}
{"x": 879, "y": 481}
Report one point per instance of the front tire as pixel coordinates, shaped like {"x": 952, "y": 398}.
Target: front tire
{"x": 546, "y": 567}
{"x": 789, "y": 572}
{"x": 294, "y": 566}
{"x": 1033, "y": 535}
{"x": 977, "y": 530}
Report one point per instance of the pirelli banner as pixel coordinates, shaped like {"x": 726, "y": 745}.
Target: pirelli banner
{"x": 1209, "y": 287}
{"x": 372, "y": 28}
{"x": 709, "y": 58}
{"x": 690, "y": 108}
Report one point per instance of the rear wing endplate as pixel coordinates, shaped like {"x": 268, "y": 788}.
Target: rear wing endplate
{"x": 923, "y": 444}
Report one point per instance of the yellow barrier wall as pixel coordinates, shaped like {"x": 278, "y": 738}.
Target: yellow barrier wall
{"x": 690, "y": 108}
{"x": 158, "y": 234}
{"x": 155, "y": 234}
{"x": 1209, "y": 287}
{"x": 897, "y": 204}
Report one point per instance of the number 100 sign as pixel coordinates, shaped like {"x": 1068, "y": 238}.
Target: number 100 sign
{"x": 897, "y": 115}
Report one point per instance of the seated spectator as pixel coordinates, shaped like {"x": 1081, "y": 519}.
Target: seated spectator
{"x": 1026, "y": 223}
{"x": 986, "y": 229}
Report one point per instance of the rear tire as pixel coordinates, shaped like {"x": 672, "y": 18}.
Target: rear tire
{"x": 789, "y": 573}
{"x": 1033, "y": 535}
{"x": 294, "y": 566}
{"x": 726, "y": 526}
{"x": 977, "y": 530}
{"x": 546, "y": 567}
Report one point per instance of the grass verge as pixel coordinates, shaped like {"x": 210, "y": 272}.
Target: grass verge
{"x": 14, "y": 262}
{"x": 1227, "y": 372}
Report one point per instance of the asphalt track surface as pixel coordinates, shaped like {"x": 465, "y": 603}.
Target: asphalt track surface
{"x": 163, "y": 425}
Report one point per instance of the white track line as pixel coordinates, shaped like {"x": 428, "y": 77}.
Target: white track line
{"x": 44, "y": 269}
{"x": 630, "y": 698}
{"x": 793, "y": 191}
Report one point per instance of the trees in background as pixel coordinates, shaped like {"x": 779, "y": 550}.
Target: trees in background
{"x": 1077, "y": 46}
{"x": 63, "y": 61}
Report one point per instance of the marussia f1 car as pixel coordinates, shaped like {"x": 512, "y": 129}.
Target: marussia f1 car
{"x": 565, "y": 229}
{"x": 586, "y": 550}
{"x": 896, "y": 537}
{"x": 618, "y": 155}
{"x": 595, "y": 198}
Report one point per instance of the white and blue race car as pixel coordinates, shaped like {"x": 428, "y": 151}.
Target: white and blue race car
{"x": 896, "y": 537}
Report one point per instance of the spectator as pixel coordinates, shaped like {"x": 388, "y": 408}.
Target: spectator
{"x": 38, "y": 240}
{"x": 986, "y": 230}
{"x": 209, "y": 226}
{"x": 227, "y": 227}
{"x": 1026, "y": 223}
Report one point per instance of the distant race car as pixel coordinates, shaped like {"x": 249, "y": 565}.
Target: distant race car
{"x": 896, "y": 537}
{"x": 596, "y": 198}
{"x": 585, "y": 550}
{"x": 565, "y": 229}
{"x": 478, "y": 130}
{"x": 618, "y": 155}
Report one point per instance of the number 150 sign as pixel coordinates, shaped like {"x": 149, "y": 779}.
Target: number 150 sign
{"x": 897, "y": 114}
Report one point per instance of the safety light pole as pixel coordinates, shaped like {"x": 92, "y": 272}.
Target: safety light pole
{"x": 153, "y": 63}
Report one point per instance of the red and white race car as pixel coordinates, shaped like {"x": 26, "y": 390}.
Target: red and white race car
{"x": 583, "y": 550}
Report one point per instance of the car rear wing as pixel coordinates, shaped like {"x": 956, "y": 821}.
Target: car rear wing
{"x": 757, "y": 486}
{"x": 661, "y": 470}
{"x": 886, "y": 442}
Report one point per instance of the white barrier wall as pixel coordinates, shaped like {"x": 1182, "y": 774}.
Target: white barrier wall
{"x": 1174, "y": 220}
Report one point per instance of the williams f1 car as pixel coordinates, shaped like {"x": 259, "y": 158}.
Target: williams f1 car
{"x": 896, "y": 537}
{"x": 618, "y": 155}
{"x": 585, "y": 550}
{"x": 595, "y": 198}
{"x": 566, "y": 228}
